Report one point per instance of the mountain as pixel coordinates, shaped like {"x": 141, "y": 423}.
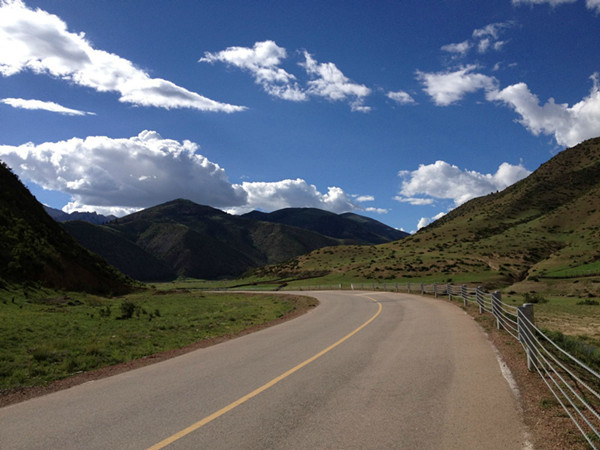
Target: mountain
{"x": 35, "y": 249}
{"x": 91, "y": 217}
{"x": 181, "y": 238}
{"x": 543, "y": 228}
{"x": 348, "y": 227}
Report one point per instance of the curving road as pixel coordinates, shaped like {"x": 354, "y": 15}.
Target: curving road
{"x": 363, "y": 370}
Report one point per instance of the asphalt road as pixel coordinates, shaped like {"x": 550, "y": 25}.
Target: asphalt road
{"x": 363, "y": 370}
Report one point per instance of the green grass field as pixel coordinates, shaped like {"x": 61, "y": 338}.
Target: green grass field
{"x": 45, "y": 336}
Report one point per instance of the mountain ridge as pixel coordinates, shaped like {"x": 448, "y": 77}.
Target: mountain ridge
{"x": 182, "y": 238}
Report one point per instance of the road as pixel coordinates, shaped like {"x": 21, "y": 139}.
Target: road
{"x": 362, "y": 370}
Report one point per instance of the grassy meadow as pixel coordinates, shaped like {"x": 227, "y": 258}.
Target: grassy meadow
{"x": 46, "y": 336}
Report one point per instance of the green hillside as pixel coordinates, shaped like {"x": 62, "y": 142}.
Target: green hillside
{"x": 542, "y": 231}
{"x": 35, "y": 249}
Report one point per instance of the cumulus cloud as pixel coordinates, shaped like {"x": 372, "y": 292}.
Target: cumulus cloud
{"x": 568, "y": 124}
{"x": 445, "y": 181}
{"x": 271, "y": 196}
{"x": 120, "y": 176}
{"x": 401, "y": 97}
{"x": 108, "y": 175}
{"x": 446, "y": 88}
{"x": 329, "y": 82}
{"x": 44, "y": 106}
{"x": 262, "y": 61}
{"x": 40, "y": 42}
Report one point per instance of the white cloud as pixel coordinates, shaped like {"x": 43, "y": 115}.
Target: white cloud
{"x": 103, "y": 173}
{"x": 593, "y": 4}
{"x": 120, "y": 176}
{"x": 262, "y": 61}
{"x": 483, "y": 39}
{"x": 590, "y": 4}
{"x": 424, "y": 221}
{"x": 444, "y": 181}
{"x": 330, "y": 83}
{"x": 365, "y": 198}
{"x": 492, "y": 30}
{"x": 271, "y": 196}
{"x": 460, "y": 48}
{"x": 377, "y": 210}
{"x": 541, "y": 2}
{"x": 38, "y": 41}
{"x": 569, "y": 125}
{"x": 44, "y": 106}
{"x": 415, "y": 201}
{"x": 401, "y": 97}
{"x": 448, "y": 87}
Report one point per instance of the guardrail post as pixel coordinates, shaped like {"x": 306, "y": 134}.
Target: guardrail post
{"x": 479, "y": 296}
{"x": 408, "y": 285}
{"x": 397, "y": 288}
{"x": 497, "y": 308}
{"x": 463, "y": 292}
{"x": 448, "y": 291}
{"x": 525, "y": 317}
{"x": 422, "y": 289}
{"x": 385, "y": 286}
{"x": 435, "y": 290}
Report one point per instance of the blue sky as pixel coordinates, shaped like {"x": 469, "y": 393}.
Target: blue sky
{"x": 398, "y": 110}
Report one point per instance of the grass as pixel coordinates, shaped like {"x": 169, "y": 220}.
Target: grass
{"x": 45, "y": 337}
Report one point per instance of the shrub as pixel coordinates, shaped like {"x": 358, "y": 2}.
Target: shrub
{"x": 589, "y": 302}
{"x": 534, "y": 298}
{"x": 127, "y": 310}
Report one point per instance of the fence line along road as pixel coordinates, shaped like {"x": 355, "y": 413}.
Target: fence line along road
{"x": 573, "y": 383}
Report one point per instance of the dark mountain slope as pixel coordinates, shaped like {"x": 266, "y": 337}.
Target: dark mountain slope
{"x": 351, "y": 228}
{"x": 91, "y": 217}
{"x": 186, "y": 239}
{"x": 34, "y": 248}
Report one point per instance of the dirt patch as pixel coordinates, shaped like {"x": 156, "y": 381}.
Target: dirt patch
{"x": 303, "y": 305}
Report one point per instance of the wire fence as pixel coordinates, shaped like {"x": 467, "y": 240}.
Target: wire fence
{"x": 573, "y": 384}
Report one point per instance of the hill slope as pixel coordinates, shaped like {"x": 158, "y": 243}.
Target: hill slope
{"x": 34, "y": 248}
{"x": 348, "y": 227}
{"x": 544, "y": 226}
{"x": 186, "y": 239}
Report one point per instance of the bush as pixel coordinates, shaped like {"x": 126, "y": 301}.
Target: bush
{"x": 534, "y": 298}
{"x": 127, "y": 310}
{"x": 588, "y": 302}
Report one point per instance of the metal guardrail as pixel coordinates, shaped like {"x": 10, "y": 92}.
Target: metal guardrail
{"x": 574, "y": 384}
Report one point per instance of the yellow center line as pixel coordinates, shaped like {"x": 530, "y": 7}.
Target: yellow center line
{"x": 245, "y": 398}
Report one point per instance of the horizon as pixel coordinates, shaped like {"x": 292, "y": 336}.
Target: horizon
{"x": 397, "y": 112}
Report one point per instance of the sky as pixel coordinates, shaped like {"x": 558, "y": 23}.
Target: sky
{"x": 396, "y": 110}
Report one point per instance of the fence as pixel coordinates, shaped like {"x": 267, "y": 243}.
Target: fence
{"x": 573, "y": 383}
